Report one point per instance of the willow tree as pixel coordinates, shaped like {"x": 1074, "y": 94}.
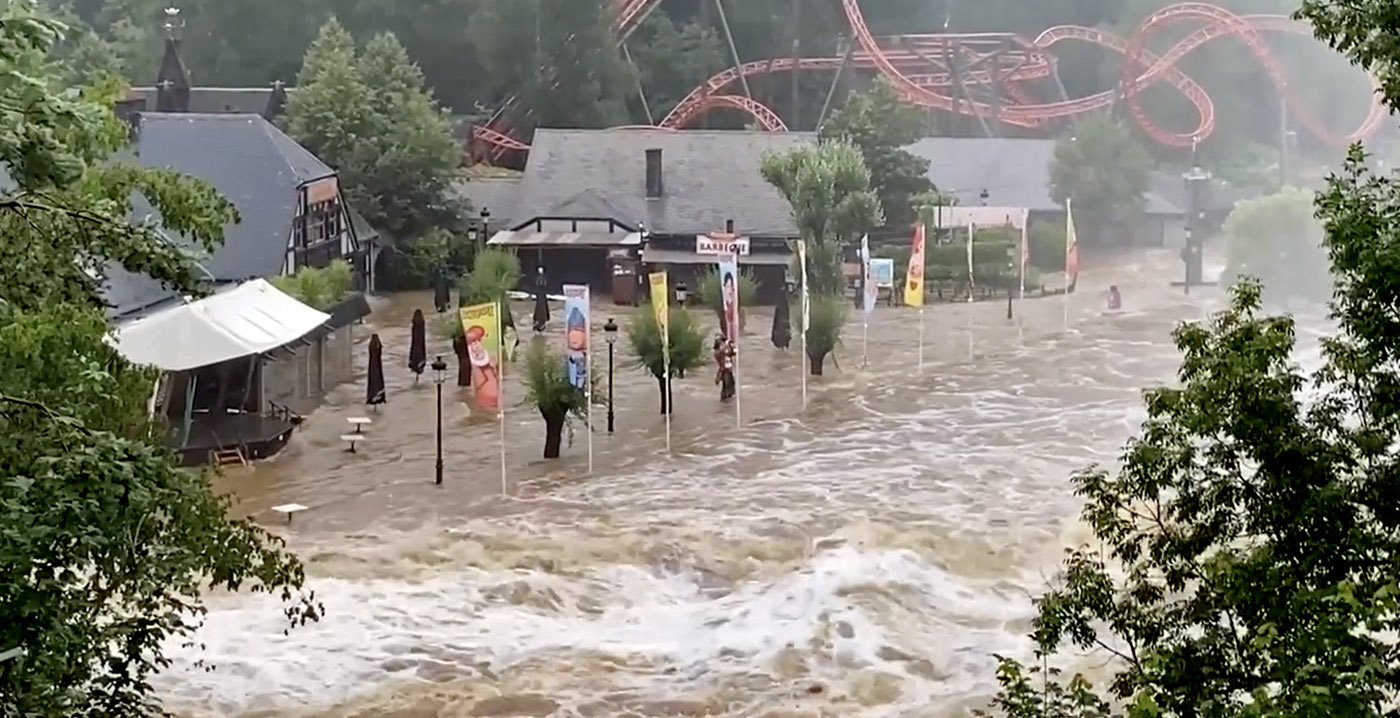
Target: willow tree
{"x": 828, "y": 189}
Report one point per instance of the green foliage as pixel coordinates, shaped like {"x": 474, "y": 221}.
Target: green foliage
{"x": 673, "y": 58}
{"x": 438, "y": 252}
{"x": 547, "y": 386}
{"x": 1249, "y": 560}
{"x": 1277, "y": 240}
{"x": 107, "y": 545}
{"x": 828, "y": 318}
{"x": 707, "y": 287}
{"x": 319, "y": 287}
{"x": 828, "y": 188}
{"x": 1047, "y": 244}
{"x": 882, "y": 125}
{"x": 558, "y": 57}
{"x": 1105, "y": 170}
{"x": 495, "y": 272}
{"x": 686, "y": 343}
{"x": 371, "y": 116}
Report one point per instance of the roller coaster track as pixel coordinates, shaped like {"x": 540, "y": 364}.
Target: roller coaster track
{"x": 923, "y": 70}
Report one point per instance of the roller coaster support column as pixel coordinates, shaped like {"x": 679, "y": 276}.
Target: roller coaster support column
{"x": 1191, "y": 252}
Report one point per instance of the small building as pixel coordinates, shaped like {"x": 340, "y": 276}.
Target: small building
{"x": 603, "y": 207}
{"x": 1016, "y": 173}
{"x": 213, "y": 354}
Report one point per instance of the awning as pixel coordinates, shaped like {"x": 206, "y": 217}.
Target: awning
{"x": 652, "y": 255}
{"x": 566, "y": 239}
{"x": 252, "y": 318}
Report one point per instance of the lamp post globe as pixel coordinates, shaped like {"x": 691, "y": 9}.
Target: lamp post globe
{"x": 610, "y": 333}
{"x": 439, "y": 374}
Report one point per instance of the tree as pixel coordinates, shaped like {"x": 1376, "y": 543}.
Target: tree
{"x": 371, "y": 117}
{"x": 882, "y": 125}
{"x": 828, "y": 317}
{"x": 673, "y": 59}
{"x": 828, "y": 188}
{"x": 319, "y": 287}
{"x": 1105, "y": 170}
{"x": 1277, "y": 240}
{"x": 108, "y": 546}
{"x": 494, "y": 273}
{"x": 708, "y": 289}
{"x": 558, "y": 58}
{"x": 686, "y": 344}
{"x": 548, "y": 389}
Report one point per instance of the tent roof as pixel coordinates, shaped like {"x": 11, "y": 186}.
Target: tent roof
{"x": 251, "y": 318}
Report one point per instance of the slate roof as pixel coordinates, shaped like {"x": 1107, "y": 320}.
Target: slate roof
{"x": 218, "y": 100}
{"x": 709, "y": 177}
{"x": 252, "y": 164}
{"x": 500, "y": 195}
{"x": 1015, "y": 172}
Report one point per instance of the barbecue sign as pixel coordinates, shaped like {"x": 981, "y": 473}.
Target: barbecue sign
{"x": 722, "y": 244}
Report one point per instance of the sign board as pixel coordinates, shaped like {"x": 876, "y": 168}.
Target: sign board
{"x": 882, "y": 272}
{"x": 722, "y": 244}
{"x": 322, "y": 190}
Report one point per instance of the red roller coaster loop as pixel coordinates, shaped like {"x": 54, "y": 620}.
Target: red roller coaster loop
{"x": 922, "y": 69}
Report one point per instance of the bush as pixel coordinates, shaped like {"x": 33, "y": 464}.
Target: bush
{"x": 1047, "y": 241}
{"x": 687, "y": 345}
{"x": 439, "y": 251}
{"x": 548, "y": 390}
{"x": 495, "y": 272}
{"x": 708, "y": 288}
{"x": 828, "y": 318}
{"x": 319, "y": 287}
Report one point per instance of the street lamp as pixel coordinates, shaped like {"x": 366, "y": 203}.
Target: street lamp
{"x": 1011, "y": 253}
{"x": 439, "y": 373}
{"x": 485, "y": 225}
{"x": 681, "y": 293}
{"x": 984, "y": 196}
{"x": 610, "y": 333}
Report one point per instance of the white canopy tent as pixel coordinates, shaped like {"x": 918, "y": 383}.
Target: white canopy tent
{"x": 251, "y": 318}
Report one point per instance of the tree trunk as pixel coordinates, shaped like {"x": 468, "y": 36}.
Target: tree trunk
{"x": 817, "y": 361}
{"x": 553, "y": 434}
{"x": 664, "y": 387}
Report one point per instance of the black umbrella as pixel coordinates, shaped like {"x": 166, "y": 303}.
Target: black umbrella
{"x": 782, "y": 325}
{"x": 418, "y": 345}
{"x": 374, "y": 388}
{"x": 541, "y": 317}
{"x": 440, "y": 296}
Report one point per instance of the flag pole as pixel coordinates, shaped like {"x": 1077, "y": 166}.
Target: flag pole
{"x": 1069, "y": 238}
{"x": 804, "y": 310}
{"x": 588, "y": 383}
{"x": 738, "y": 330}
{"x": 666, "y": 364}
{"x": 1021, "y": 296}
{"x": 970, "y": 287}
{"x": 501, "y": 392}
{"x": 921, "y": 339}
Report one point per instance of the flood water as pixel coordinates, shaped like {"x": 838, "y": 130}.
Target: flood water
{"x": 865, "y": 556}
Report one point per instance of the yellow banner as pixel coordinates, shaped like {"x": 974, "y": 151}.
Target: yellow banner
{"x": 914, "y": 277}
{"x": 660, "y": 301}
{"x": 481, "y": 328}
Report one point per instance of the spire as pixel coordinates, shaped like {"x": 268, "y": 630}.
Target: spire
{"x": 275, "y": 101}
{"x": 173, "y": 83}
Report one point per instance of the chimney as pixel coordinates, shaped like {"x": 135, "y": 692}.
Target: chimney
{"x": 655, "y": 188}
{"x": 729, "y": 226}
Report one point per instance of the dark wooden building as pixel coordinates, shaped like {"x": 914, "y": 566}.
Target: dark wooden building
{"x": 604, "y": 207}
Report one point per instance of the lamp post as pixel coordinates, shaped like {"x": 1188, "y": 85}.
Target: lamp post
{"x": 1191, "y": 253}
{"x": 984, "y": 196}
{"x": 485, "y": 225}
{"x": 439, "y": 373}
{"x": 610, "y": 333}
{"x": 681, "y": 293}
{"x": 1011, "y": 253}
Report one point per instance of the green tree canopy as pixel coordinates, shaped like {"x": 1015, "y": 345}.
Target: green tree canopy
{"x": 1277, "y": 240}
{"x": 882, "y": 125}
{"x": 371, "y": 116}
{"x": 828, "y": 188}
{"x": 107, "y": 546}
{"x": 1105, "y": 170}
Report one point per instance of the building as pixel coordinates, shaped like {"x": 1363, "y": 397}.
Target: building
{"x": 1016, "y": 173}
{"x": 603, "y": 207}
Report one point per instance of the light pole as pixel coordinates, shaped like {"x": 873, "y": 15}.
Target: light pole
{"x": 1012, "y": 278}
{"x": 610, "y": 333}
{"x": 485, "y": 225}
{"x": 439, "y": 373}
{"x": 1191, "y": 253}
{"x": 984, "y": 196}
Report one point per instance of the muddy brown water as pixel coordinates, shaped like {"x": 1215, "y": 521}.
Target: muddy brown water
{"x": 863, "y": 556}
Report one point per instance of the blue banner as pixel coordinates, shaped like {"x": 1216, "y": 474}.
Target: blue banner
{"x": 578, "y": 326}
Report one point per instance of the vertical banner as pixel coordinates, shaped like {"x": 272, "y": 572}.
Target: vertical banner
{"x": 578, "y": 328}
{"x": 806, "y": 313}
{"x": 914, "y": 282}
{"x": 1071, "y": 255}
{"x": 729, "y": 300}
{"x": 869, "y": 293}
{"x": 480, "y": 329}
{"x": 661, "y": 307}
